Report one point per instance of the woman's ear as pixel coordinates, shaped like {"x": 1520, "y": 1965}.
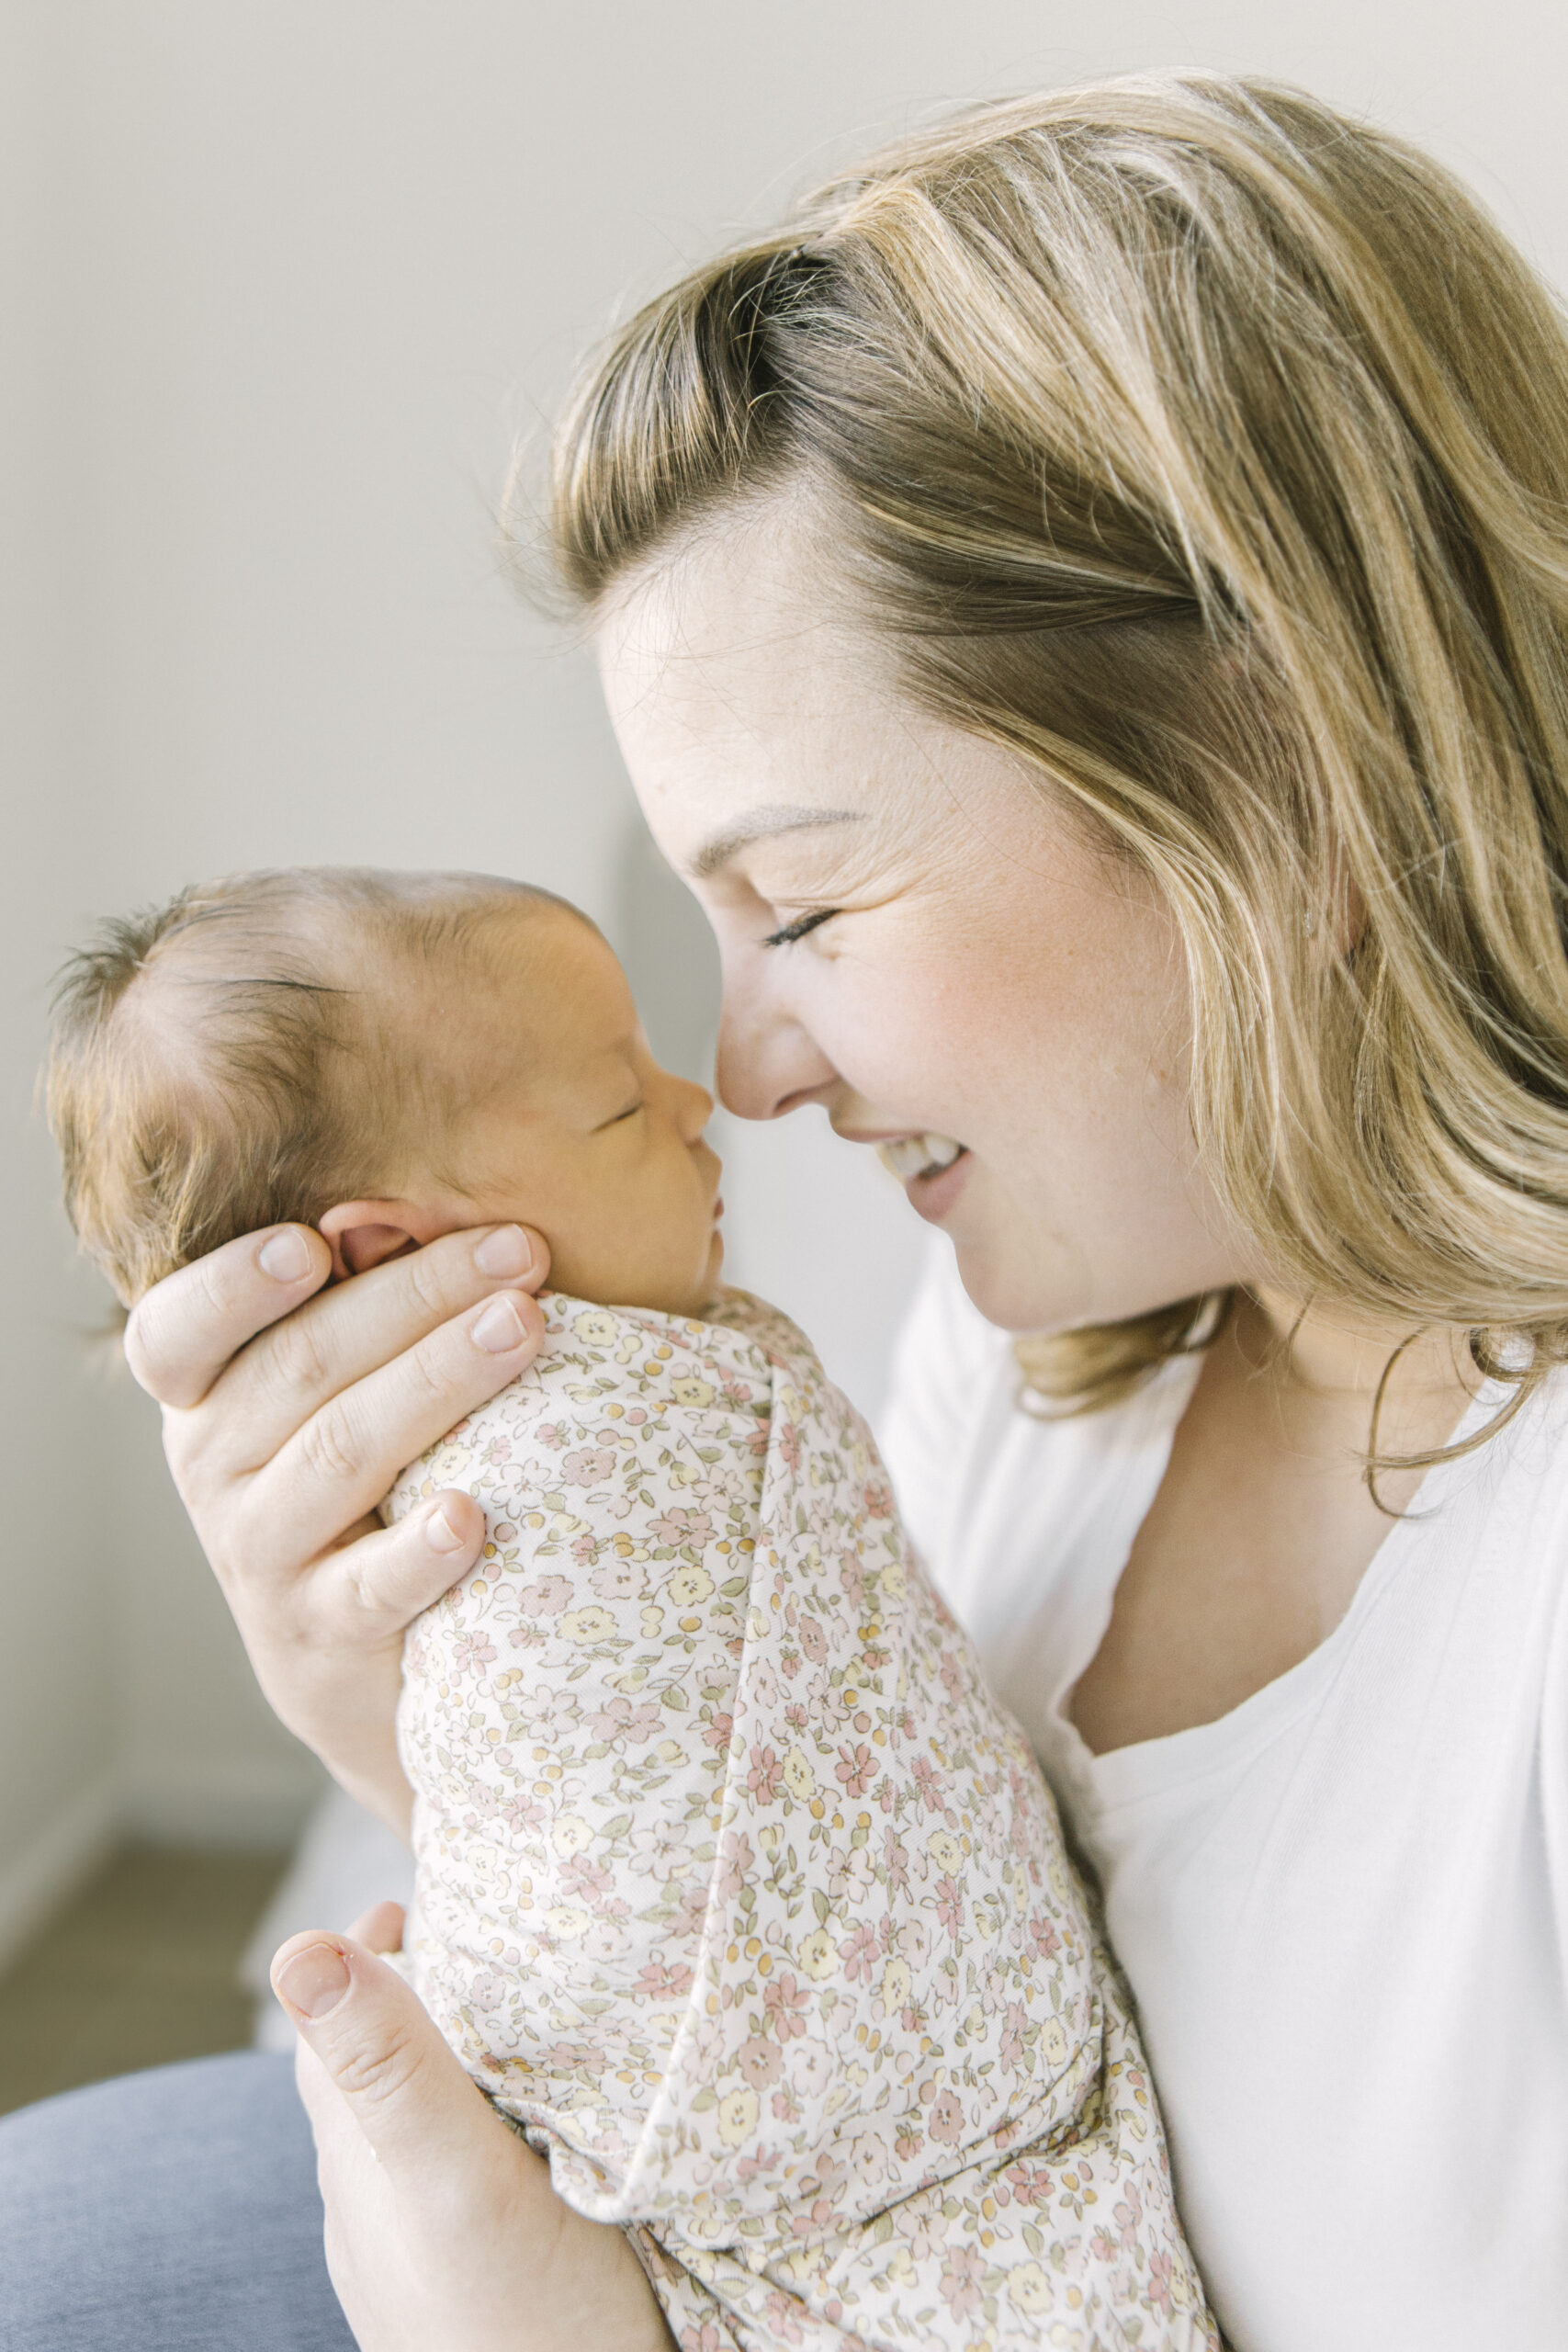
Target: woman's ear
{"x": 362, "y": 1234}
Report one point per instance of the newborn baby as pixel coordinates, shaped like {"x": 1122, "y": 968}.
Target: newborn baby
{"x": 734, "y": 1888}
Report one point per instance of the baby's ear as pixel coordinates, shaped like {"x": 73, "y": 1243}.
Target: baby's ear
{"x": 363, "y": 1234}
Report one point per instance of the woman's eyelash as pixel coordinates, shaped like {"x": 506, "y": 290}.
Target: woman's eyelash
{"x": 798, "y": 929}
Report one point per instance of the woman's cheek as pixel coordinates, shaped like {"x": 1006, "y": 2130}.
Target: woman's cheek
{"x": 893, "y": 1035}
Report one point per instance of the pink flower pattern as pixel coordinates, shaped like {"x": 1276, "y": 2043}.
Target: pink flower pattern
{"x": 737, "y": 1892}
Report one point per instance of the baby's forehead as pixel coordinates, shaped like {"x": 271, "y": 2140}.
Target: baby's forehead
{"x": 536, "y": 989}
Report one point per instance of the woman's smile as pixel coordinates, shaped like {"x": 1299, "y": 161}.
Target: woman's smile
{"x": 923, "y": 1155}
{"x": 932, "y": 1169}
{"x": 935, "y": 1190}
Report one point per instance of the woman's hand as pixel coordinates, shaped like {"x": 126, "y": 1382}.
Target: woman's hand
{"x": 443, "y": 2231}
{"x": 288, "y": 1416}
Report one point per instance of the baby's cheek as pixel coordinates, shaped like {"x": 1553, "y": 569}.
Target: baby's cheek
{"x": 643, "y": 1248}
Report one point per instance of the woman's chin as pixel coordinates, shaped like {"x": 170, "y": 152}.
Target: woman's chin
{"x": 1011, "y": 1293}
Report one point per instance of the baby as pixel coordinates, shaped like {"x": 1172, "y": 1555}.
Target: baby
{"x": 735, "y": 1891}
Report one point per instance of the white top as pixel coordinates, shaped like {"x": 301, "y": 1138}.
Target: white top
{"x": 1344, "y": 1906}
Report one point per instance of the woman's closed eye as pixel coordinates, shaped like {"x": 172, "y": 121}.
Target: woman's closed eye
{"x": 791, "y": 932}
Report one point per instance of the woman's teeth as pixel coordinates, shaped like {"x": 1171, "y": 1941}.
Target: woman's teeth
{"x": 918, "y": 1156}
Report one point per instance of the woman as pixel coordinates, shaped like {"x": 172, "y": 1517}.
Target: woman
{"x": 1085, "y": 607}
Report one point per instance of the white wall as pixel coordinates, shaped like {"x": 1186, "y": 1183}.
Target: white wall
{"x": 283, "y": 278}
{"x": 56, "y": 1733}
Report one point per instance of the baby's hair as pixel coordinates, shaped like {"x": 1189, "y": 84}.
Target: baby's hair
{"x": 241, "y": 1057}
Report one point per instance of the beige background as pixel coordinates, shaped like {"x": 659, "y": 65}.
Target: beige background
{"x": 283, "y": 279}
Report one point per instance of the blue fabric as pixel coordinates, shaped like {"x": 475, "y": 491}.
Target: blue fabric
{"x": 171, "y": 2211}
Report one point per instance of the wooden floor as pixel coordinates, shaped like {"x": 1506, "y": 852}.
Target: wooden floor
{"x": 137, "y": 1972}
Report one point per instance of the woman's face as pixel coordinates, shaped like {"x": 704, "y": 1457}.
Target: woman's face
{"x": 915, "y": 934}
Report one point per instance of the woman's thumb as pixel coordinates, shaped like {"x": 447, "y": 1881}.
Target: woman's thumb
{"x": 378, "y": 2051}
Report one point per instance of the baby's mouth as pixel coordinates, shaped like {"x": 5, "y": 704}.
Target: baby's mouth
{"x": 914, "y": 1156}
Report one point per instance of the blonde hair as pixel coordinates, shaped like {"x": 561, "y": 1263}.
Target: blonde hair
{"x": 1210, "y": 449}
{"x": 243, "y": 1055}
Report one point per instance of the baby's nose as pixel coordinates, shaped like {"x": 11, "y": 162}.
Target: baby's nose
{"x": 696, "y": 1109}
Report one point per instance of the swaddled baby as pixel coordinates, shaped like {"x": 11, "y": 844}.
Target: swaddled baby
{"x": 735, "y": 1890}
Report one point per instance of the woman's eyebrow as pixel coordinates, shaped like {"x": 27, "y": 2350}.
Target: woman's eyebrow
{"x": 761, "y": 824}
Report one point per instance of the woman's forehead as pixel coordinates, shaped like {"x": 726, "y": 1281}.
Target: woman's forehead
{"x": 742, "y": 611}
{"x": 753, "y": 707}
{"x": 738, "y": 689}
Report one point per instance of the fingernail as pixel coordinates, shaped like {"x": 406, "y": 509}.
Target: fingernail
{"x": 507, "y": 1251}
{"x": 314, "y": 1981}
{"x": 440, "y": 1533}
{"x": 499, "y": 1328}
{"x": 286, "y": 1257}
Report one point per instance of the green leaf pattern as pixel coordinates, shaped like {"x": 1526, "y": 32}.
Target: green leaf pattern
{"x": 738, "y": 1893}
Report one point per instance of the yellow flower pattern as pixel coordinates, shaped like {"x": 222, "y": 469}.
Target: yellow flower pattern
{"x": 738, "y": 1893}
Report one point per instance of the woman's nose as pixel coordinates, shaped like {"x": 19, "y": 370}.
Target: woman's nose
{"x": 767, "y": 1063}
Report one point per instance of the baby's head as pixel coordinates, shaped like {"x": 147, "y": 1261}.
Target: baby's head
{"x": 386, "y": 1057}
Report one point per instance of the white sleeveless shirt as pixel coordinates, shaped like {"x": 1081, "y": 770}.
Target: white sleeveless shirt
{"x": 1344, "y": 1906}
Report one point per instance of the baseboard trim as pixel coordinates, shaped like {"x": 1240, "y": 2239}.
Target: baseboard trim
{"x": 46, "y": 1873}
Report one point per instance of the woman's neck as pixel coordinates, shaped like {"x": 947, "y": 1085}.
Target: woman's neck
{"x": 1327, "y": 1366}
{"x": 1264, "y": 1523}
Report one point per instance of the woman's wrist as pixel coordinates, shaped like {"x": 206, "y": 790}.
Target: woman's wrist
{"x": 342, "y": 1708}
{"x": 383, "y": 1792}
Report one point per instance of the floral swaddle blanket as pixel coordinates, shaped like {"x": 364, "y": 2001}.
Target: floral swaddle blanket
{"x": 740, "y": 1894}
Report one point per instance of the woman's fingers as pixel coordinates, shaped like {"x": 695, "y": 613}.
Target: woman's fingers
{"x": 347, "y": 1456}
{"x": 378, "y": 2051}
{"x": 183, "y": 1333}
{"x": 379, "y": 1929}
{"x": 274, "y": 1386}
{"x": 381, "y": 1582}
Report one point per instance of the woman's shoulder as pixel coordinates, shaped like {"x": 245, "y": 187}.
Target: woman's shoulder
{"x": 944, "y": 1342}
{"x": 946, "y": 1366}
{"x": 997, "y": 1492}
{"x": 952, "y": 1376}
